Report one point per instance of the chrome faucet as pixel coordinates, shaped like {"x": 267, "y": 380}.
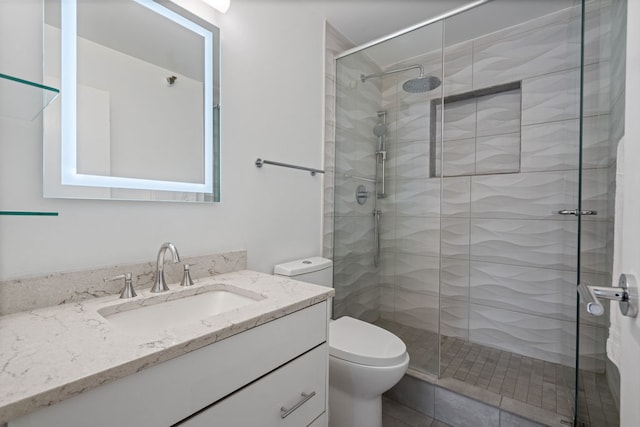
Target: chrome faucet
{"x": 160, "y": 285}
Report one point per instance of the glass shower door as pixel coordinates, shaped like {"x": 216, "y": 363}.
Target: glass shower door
{"x": 510, "y": 157}
{"x": 602, "y": 113}
{"x": 471, "y": 250}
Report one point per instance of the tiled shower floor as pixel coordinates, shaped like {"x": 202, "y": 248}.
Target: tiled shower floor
{"x": 533, "y": 381}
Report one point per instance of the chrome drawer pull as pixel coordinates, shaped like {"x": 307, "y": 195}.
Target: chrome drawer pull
{"x": 284, "y": 412}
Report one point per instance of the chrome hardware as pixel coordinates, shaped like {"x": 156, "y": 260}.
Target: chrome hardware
{"x": 284, "y": 412}
{"x": 624, "y": 293}
{"x": 576, "y": 212}
{"x": 127, "y": 290}
{"x": 160, "y": 285}
{"x": 629, "y": 306}
{"x": 376, "y": 231}
{"x": 590, "y": 300}
{"x": 186, "y": 276}
{"x": 381, "y": 156}
{"x": 381, "y": 160}
{"x": 260, "y": 162}
{"x": 362, "y": 194}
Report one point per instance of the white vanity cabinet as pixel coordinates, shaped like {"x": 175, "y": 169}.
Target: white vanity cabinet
{"x": 293, "y": 395}
{"x": 243, "y": 380}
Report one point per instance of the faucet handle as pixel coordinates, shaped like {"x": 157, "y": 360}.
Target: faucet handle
{"x": 186, "y": 276}
{"x": 127, "y": 290}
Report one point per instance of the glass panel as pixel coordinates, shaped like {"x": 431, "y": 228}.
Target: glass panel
{"x": 509, "y": 161}
{"x": 385, "y": 120}
{"x": 22, "y": 99}
{"x": 602, "y": 127}
{"x": 478, "y": 267}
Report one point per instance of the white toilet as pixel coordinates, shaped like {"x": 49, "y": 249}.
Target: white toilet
{"x": 364, "y": 360}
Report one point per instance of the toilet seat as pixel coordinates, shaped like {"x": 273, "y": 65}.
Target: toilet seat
{"x": 363, "y": 343}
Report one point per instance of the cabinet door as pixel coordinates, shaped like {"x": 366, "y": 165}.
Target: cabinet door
{"x": 264, "y": 402}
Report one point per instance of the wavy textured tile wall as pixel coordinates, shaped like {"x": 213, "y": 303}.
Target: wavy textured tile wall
{"x": 490, "y": 240}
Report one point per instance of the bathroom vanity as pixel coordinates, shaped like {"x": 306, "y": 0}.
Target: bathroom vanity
{"x": 262, "y": 363}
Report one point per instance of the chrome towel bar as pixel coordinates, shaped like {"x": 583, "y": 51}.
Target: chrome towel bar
{"x": 260, "y": 162}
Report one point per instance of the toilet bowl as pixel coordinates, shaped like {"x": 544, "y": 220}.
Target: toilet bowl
{"x": 364, "y": 360}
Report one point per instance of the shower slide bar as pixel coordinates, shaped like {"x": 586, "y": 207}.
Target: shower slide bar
{"x": 260, "y": 162}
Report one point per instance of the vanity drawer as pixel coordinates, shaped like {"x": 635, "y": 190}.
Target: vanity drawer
{"x": 262, "y": 403}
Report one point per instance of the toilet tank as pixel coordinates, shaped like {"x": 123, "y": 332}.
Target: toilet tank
{"x": 316, "y": 270}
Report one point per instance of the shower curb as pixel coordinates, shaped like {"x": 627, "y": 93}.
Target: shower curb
{"x": 460, "y": 405}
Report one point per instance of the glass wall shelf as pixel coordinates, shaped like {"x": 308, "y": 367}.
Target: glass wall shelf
{"x": 22, "y": 99}
{"x": 26, "y": 213}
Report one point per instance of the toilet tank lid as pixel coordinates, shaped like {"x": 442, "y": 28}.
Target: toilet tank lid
{"x": 302, "y": 266}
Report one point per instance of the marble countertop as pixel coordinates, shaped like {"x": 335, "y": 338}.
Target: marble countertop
{"x": 51, "y": 354}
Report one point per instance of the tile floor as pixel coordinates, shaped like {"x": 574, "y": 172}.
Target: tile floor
{"x": 397, "y": 415}
{"x": 535, "y": 382}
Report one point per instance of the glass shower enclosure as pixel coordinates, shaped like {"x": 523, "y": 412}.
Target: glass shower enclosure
{"x": 474, "y": 165}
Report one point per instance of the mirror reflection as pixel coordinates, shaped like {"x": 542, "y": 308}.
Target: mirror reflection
{"x": 137, "y": 116}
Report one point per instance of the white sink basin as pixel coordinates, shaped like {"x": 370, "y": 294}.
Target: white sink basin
{"x": 158, "y": 314}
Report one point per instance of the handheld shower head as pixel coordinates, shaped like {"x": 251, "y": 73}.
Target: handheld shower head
{"x": 380, "y": 129}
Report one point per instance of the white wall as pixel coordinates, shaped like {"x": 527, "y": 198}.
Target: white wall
{"x": 272, "y": 102}
{"x": 630, "y": 328}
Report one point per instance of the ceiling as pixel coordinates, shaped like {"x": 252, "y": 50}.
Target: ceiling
{"x": 362, "y": 21}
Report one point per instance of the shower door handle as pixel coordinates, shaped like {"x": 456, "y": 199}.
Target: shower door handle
{"x": 577, "y": 212}
{"x": 624, "y": 293}
{"x": 590, "y": 300}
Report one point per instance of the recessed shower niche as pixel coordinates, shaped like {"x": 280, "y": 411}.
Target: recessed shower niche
{"x": 481, "y": 132}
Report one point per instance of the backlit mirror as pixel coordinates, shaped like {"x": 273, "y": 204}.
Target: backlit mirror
{"x": 138, "y": 115}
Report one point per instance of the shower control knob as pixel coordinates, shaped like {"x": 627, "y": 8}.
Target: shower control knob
{"x": 362, "y": 194}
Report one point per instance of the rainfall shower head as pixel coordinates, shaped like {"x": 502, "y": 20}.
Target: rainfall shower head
{"x": 421, "y": 84}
